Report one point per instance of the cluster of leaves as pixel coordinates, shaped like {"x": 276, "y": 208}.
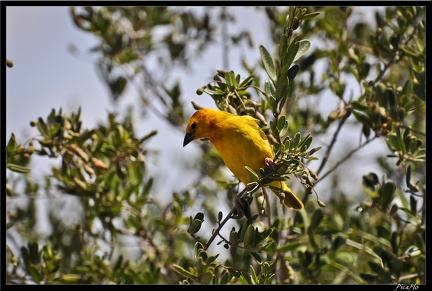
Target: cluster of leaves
{"x": 103, "y": 170}
{"x": 232, "y": 95}
{"x": 322, "y": 244}
{"x": 131, "y": 38}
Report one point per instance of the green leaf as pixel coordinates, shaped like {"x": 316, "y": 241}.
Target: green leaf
{"x": 359, "y": 106}
{"x": 198, "y": 247}
{"x": 295, "y": 141}
{"x": 249, "y": 236}
{"x": 410, "y": 51}
{"x": 290, "y": 247}
{"x": 364, "y": 248}
{"x": 268, "y": 63}
{"x": 313, "y": 240}
{"x": 304, "y": 46}
{"x": 376, "y": 268}
{"x": 252, "y": 172}
{"x": 314, "y": 150}
{"x": 230, "y": 79}
{"x": 394, "y": 209}
{"x": 233, "y": 238}
{"x": 246, "y": 82}
{"x": 35, "y": 274}
{"x": 269, "y": 88}
{"x": 199, "y": 216}
{"x": 273, "y": 103}
{"x": 42, "y": 127}
{"x": 283, "y": 47}
{"x": 284, "y": 130}
{"x": 305, "y": 143}
{"x": 345, "y": 258}
{"x": 273, "y": 126}
{"x": 400, "y": 140}
{"x": 310, "y": 16}
{"x": 281, "y": 88}
{"x": 184, "y": 272}
{"x": 256, "y": 257}
{"x": 220, "y": 216}
{"x": 281, "y": 122}
{"x": 18, "y": 168}
{"x": 245, "y": 279}
{"x": 70, "y": 278}
{"x": 292, "y": 72}
{"x": 253, "y": 276}
{"x": 284, "y": 98}
{"x": 290, "y": 56}
{"x": 338, "y": 242}
{"x": 395, "y": 241}
{"x": 362, "y": 118}
{"x": 117, "y": 86}
{"x": 243, "y": 230}
{"x": 316, "y": 219}
{"x": 12, "y": 145}
{"x": 195, "y": 226}
{"x": 263, "y": 235}
{"x": 413, "y": 205}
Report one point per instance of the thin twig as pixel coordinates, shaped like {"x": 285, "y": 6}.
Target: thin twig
{"x": 231, "y": 213}
{"x": 332, "y": 143}
{"x": 229, "y": 216}
{"x": 393, "y": 58}
{"x": 345, "y": 158}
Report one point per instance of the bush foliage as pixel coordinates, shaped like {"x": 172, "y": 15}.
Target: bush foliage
{"x": 100, "y": 200}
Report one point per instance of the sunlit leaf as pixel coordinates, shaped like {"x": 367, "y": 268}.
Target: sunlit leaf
{"x": 268, "y": 63}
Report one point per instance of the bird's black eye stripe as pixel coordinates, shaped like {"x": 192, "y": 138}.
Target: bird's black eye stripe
{"x": 193, "y": 125}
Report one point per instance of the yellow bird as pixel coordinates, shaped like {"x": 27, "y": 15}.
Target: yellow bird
{"x": 240, "y": 142}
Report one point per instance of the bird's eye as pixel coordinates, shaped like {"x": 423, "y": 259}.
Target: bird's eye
{"x": 193, "y": 125}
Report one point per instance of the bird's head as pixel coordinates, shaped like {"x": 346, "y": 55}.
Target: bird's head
{"x": 198, "y": 125}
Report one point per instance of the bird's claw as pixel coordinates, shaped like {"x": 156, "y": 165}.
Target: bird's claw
{"x": 269, "y": 163}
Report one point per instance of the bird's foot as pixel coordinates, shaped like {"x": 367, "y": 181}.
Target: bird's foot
{"x": 270, "y": 164}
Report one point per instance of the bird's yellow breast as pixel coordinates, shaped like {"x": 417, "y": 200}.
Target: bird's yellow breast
{"x": 240, "y": 142}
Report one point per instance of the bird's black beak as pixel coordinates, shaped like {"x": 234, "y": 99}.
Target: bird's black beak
{"x": 188, "y": 138}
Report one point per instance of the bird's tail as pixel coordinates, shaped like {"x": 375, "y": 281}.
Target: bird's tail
{"x": 286, "y": 195}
